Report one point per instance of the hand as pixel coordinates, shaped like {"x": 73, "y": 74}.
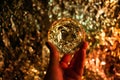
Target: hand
{"x": 67, "y": 68}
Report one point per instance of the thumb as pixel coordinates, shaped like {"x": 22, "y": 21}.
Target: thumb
{"x": 54, "y": 54}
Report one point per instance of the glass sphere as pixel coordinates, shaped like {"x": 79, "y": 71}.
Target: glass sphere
{"x": 66, "y": 34}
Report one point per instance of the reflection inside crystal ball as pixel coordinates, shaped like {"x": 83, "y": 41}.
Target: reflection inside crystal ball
{"x": 66, "y": 34}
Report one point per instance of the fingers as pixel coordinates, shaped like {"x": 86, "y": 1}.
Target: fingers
{"x": 71, "y": 75}
{"x": 54, "y": 54}
{"x": 77, "y": 63}
{"x": 65, "y": 60}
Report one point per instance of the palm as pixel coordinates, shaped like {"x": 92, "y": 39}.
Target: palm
{"x": 61, "y": 70}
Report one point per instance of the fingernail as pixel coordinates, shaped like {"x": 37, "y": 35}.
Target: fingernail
{"x": 85, "y": 44}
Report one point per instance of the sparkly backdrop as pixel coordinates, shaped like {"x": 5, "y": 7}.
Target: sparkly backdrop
{"x": 23, "y": 32}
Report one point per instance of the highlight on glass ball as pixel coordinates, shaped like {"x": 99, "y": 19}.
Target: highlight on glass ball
{"x": 66, "y": 34}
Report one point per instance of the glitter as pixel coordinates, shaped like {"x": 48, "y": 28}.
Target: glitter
{"x": 103, "y": 63}
{"x": 13, "y": 24}
{"x": 50, "y": 16}
{"x": 38, "y": 8}
{"x": 44, "y": 72}
{"x": 93, "y": 60}
{"x": 34, "y": 70}
{"x": 113, "y": 1}
{"x": 31, "y": 50}
{"x": 77, "y": 16}
{"x": 34, "y": 5}
{"x": 91, "y": 26}
{"x": 101, "y": 11}
{"x": 97, "y": 37}
{"x": 81, "y": 16}
{"x": 102, "y": 34}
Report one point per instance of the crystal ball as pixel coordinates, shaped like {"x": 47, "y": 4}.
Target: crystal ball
{"x": 66, "y": 34}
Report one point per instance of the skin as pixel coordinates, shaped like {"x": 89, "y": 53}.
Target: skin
{"x": 68, "y": 68}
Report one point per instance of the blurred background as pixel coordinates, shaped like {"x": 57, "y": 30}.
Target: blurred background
{"x": 23, "y": 32}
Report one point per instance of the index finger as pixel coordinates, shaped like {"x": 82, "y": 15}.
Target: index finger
{"x": 54, "y": 53}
